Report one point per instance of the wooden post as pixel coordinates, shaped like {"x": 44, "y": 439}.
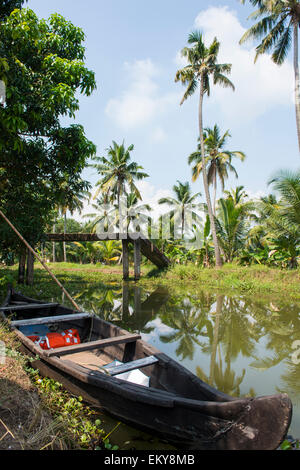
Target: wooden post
{"x": 137, "y": 259}
{"x": 30, "y": 268}
{"x": 125, "y": 256}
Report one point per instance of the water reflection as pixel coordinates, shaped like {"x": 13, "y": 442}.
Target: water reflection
{"x": 239, "y": 345}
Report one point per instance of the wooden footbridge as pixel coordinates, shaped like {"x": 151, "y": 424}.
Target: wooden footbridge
{"x": 142, "y": 246}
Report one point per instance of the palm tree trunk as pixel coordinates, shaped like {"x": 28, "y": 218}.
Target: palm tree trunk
{"x": 65, "y": 231}
{"x": 297, "y": 84}
{"x": 215, "y": 189}
{"x": 205, "y": 181}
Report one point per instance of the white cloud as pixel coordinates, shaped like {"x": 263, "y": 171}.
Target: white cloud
{"x": 142, "y": 101}
{"x": 258, "y": 87}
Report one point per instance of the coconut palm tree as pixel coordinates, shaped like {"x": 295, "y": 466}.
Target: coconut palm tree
{"x": 217, "y": 159}
{"x": 233, "y": 224}
{"x": 183, "y": 202}
{"x": 202, "y": 64}
{"x": 278, "y": 29}
{"x": 118, "y": 172}
{"x": 69, "y": 201}
{"x": 136, "y": 213}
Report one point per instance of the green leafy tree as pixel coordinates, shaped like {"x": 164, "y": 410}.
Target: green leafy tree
{"x": 282, "y": 220}
{"x": 201, "y": 65}
{"x": 278, "y": 30}
{"x": 45, "y": 75}
{"x": 7, "y": 6}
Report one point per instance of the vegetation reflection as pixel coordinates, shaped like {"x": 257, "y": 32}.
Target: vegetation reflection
{"x": 230, "y": 331}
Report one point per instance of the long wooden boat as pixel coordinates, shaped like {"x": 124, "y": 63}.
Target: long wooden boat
{"x": 145, "y": 387}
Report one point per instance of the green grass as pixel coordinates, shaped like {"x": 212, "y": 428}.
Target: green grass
{"x": 231, "y": 278}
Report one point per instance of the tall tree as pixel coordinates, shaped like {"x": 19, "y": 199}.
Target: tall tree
{"x": 202, "y": 64}
{"x": 218, "y": 159}
{"x": 118, "y": 173}
{"x": 45, "y": 74}
{"x": 278, "y": 29}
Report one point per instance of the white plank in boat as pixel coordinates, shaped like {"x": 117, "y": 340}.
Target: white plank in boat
{"x": 53, "y": 319}
{"x": 128, "y": 366}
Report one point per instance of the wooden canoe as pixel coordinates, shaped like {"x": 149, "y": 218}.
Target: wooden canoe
{"x": 174, "y": 404}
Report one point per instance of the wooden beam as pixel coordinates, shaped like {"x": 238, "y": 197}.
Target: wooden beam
{"x": 14, "y": 308}
{"x": 148, "y": 249}
{"x": 99, "y": 344}
{"x": 92, "y": 237}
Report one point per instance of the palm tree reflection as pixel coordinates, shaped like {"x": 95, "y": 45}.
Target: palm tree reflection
{"x": 226, "y": 329}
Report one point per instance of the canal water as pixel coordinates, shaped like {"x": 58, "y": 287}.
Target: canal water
{"x": 243, "y": 346}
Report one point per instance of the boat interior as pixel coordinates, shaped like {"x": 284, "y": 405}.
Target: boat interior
{"x": 103, "y": 347}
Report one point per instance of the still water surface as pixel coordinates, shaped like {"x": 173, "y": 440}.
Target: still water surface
{"x": 242, "y": 346}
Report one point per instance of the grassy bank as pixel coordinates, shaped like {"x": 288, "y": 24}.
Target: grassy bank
{"x": 282, "y": 284}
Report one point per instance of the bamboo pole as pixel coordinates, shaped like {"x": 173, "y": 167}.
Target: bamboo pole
{"x": 40, "y": 260}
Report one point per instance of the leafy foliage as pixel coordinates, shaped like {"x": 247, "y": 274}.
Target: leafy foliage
{"x": 45, "y": 71}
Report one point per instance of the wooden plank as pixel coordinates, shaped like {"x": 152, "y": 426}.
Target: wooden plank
{"x": 53, "y": 319}
{"x": 99, "y": 344}
{"x": 27, "y": 307}
{"x": 128, "y": 366}
{"x": 147, "y": 247}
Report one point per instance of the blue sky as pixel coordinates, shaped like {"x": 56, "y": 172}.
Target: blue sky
{"x": 133, "y": 47}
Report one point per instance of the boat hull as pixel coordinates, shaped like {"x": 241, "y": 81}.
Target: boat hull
{"x": 180, "y": 424}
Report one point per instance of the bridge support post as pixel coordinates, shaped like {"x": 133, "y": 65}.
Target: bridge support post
{"x": 125, "y": 258}
{"x": 137, "y": 259}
